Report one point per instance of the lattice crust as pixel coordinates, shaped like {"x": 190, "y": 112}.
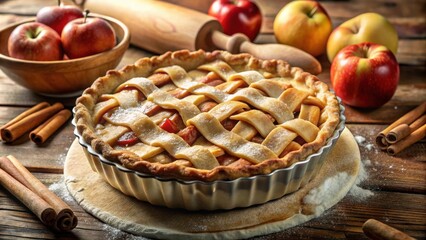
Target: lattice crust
{"x": 207, "y": 116}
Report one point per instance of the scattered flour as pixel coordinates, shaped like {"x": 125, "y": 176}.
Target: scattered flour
{"x": 62, "y": 157}
{"x": 358, "y": 193}
{"x": 367, "y": 162}
{"x": 329, "y": 189}
{"x": 114, "y": 233}
{"x": 332, "y": 186}
{"x": 363, "y": 143}
{"x": 61, "y": 190}
{"x": 360, "y": 139}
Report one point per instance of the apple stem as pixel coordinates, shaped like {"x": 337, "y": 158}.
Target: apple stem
{"x": 33, "y": 34}
{"x": 59, "y": 2}
{"x": 366, "y": 51}
{"x": 313, "y": 11}
{"x": 86, "y": 14}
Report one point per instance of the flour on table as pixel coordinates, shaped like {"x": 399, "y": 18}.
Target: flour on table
{"x": 326, "y": 191}
{"x": 358, "y": 193}
{"x": 114, "y": 233}
{"x": 367, "y": 162}
{"x": 332, "y": 185}
{"x": 61, "y": 190}
{"x": 363, "y": 143}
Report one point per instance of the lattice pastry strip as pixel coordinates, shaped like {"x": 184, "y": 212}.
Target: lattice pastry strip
{"x": 259, "y": 120}
{"x": 303, "y": 128}
{"x": 213, "y": 131}
{"x": 143, "y": 150}
{"x": 245, "y": 130}
{"x": 124, "y": 98}
{"x": 225, "y": 110}
{"x": 187, "y": 110}
{"x": 110, "y": 133}
{"x": 149, "y": 133}
{"x": 221, "y": 68}
{"x": 103, "y": 107}
{"x": 272, "y": 87}
{"x": 278, "y": 139}
{"x": 215, "y": 150}
{"x": 293, "y": 97}
{"x": 310, "y": 113}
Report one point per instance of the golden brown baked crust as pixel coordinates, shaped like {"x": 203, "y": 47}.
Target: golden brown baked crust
{"x": 86, "y": 121}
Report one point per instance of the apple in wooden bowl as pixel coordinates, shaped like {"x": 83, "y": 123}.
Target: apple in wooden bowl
{"x": 65, "y": 77}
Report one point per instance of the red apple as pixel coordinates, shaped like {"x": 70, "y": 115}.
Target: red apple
{"x": 35, "y": 41}
{"x": 240, "y": 16}
{"x": 365, "y": 75}
{"x": 87, "y": 36}
{"x": 57, "y": 17}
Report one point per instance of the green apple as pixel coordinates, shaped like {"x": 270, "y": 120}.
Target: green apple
{"x": 367, "y": 27}
{"x": 304, "y": 25}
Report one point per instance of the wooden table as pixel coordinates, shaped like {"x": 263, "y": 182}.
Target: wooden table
{"x": 398, "y": 183}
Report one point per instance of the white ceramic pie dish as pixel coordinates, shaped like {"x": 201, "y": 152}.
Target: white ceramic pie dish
{"x": 220, "y": 194}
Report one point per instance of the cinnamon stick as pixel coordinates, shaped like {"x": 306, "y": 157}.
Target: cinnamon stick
{"x": 65, "y": 219}
{"x": 44, "y": 131}
{"x": 398, "y": 133}
{"x": 26, "y": 113}
{"x": 35, "y": 203}
{"x": 17, "y": 129}
{"x": 374, "y": 229}
{"x": 414, "y": 137}
{"x": 8, "y": 167}
{"x": 408, "y": 118}
{"x": 404, "y": 130}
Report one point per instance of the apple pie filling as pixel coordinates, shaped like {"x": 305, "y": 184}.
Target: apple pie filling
{"x": 230, "y": 116}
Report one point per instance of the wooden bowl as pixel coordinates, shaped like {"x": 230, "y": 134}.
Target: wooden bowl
{"x": 62, "y": 78}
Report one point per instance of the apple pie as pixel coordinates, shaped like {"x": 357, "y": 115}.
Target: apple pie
{"x": 207, "y": 115}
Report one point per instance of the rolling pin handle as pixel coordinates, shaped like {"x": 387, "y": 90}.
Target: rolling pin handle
{"x": 239, "y": 43}
{"x": 231, "y": 44}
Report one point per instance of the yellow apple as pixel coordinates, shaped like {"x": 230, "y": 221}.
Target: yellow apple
{"x": 367, "y": 27}
{"x": 304, "y": 25}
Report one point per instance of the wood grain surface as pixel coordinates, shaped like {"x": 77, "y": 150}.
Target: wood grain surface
{"x": 398, "y": 183}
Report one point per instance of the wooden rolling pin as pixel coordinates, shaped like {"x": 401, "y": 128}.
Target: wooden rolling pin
{"x": 160, "y": 26}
